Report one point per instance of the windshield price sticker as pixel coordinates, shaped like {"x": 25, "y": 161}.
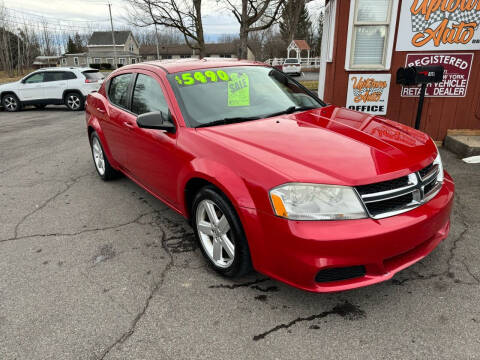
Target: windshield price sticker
{"x": 201, "y": 77}
{"x": 238, "y": 90}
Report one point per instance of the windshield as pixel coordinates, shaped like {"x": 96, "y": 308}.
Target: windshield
{"x": 209, "y": 95}
{"x": 291, "y": 61}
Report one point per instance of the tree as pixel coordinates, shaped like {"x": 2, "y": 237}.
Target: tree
{"x": 183, "y": 15}
{"x": 253, "y": 15}
{"x": 75, "y": 44}
{"x": 295, "y": 21}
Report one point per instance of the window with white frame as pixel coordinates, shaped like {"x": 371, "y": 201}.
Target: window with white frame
{"x": 64, "y": 61}
{"x": 121, "y": 61}
{"x": 97, "y": 60}
{"x": 75, "y": 61}
{"x": 371, "y": 31}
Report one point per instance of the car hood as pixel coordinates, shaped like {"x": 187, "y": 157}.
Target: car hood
{"x": 10, "y": 85}
{"x": 331, "y": 145}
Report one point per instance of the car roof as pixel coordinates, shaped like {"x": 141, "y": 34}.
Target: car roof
{"x": 66, "y": 69}
{"x": 179, "y": 65}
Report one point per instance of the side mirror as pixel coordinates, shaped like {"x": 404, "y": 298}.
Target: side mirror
{"x": 156, "y": 120}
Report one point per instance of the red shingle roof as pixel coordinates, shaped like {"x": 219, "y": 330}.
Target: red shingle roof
{"x": 301, "y": 44}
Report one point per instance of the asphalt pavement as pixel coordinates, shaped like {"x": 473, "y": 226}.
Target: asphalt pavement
{"x": 102, "y": 270}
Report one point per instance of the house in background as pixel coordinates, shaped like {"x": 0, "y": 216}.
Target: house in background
{"x": 46, "y": 61}
{"x": 182, "y": 51}
{"x": 100, "y": 50}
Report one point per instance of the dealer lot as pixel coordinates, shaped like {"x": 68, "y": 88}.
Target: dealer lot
{"x": 90, "y": 270}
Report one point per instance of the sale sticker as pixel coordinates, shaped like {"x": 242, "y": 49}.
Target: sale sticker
{"x": 238, "y": 90}
{"x": 455, "y": 77}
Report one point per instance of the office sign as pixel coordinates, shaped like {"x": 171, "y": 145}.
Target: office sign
{"x": 455, "y": 77}
{"x": 368, "y": 93}
{"x": 439, "y": 25}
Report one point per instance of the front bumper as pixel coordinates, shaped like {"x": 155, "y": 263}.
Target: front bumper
{"x": 295, "y": 251}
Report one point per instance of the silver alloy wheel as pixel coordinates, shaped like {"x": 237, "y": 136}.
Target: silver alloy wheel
{"x": 10, "y": 103}
{"x": 98, "y": 156}
{"x": 73, "y": 102}
{"x": 214, "y": 232}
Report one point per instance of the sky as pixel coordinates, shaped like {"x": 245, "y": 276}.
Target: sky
{"x": 94, "y": 13}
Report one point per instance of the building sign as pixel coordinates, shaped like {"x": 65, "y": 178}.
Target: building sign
{"x": 455, "y": 78}
{"x": 368, "y": 93}
{"x": 439, "y": 25}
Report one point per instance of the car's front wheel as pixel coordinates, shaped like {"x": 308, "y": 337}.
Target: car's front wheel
{"x": 74, "y": 101}
{"x": 220, "y": 233}
{"x": 102, "y": 165}
{"x": 11, "y": 103}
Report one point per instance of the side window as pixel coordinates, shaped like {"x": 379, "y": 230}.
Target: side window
{"x": 148, "y": 96}
{"x": 67, "y": 75}
{"x": 118, "y": 90}
{"x": 35, "y": 78}
{"x": 53, "y": 76}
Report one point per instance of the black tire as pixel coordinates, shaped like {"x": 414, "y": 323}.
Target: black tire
{"x": 11, "y": 103}
{"x": 242, "y": 263}
{"x": 74, "y": 101}
{"x": 109, "y": 172}
{"x": 40, "y": 106}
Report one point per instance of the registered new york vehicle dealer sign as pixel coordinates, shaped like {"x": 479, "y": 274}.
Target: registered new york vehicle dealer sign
{"x": 455, "y": 77}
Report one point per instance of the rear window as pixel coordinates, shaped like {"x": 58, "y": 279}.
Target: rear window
{"x": 291, "y": 61}
{"x": 93, "y": 75}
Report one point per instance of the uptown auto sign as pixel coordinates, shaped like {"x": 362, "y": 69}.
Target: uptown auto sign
{"x": 439, "y": 25}
{"x": 455, "y": 77}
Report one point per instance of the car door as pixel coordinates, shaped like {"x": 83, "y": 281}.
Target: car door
{"x": 54, "y": 85}
{"x": 31, "y": 88}
{"x": 153, "y": 157}
{"x": 117, "y": 119}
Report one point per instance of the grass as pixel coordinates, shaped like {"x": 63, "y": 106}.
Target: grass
{"x": 310, "y": 84}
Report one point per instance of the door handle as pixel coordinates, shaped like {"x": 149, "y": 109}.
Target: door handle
{"x": 101, "y": 111}
{"x": 128, "y": 124}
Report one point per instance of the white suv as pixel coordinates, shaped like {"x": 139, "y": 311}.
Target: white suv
{"x": 51, "y": 86}
{"x": 292, "y": 66}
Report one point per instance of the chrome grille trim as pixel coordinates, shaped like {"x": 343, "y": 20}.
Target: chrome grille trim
{"x": 416, "y": 187}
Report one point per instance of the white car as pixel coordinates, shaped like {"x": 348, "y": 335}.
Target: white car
{"x": 292, "y": 67}
{"x": 51, "y": 86}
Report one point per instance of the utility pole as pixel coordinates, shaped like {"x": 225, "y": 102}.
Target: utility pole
{"x": 18, "y": 55}
{"x": 113, "y": 38}
{"x": 156, "y": 37}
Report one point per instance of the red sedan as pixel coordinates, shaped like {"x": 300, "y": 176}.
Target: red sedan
{"x": 271, "y": 178}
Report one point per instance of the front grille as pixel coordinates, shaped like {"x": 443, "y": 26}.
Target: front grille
{"x": 383, "y": 186}
{"x": 337, "y": 274}
{"x": 379, "y": 207}
{"x": 395, "y": 196}
{"x": 425, "y": 170}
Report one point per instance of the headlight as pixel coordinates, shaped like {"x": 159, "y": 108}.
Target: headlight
{"x": 316, "y": 202}
{"x": 438, "y": 161}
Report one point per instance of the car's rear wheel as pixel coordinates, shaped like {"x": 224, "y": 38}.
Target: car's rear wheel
{"x": 74, "y": 101}
{"x": 11, "y": 103}
{"x": 102, "y": 165}
{"x": 220, "y": 233}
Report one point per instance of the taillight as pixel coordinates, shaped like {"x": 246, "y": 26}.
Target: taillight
{"x": 88, "y": 81}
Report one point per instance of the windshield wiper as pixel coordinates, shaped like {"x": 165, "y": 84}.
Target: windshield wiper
{"x": 231, "y": 120}
{"x": 293, "y": 109}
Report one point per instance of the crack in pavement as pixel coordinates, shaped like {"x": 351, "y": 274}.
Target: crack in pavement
{"x": 68, "y": 186}
{"x": 345, "y": 310}
{"x": 460, "y": 209}
{"x": 156, "y": 286}
{"x": 136, "y": 220}
{"x": 234, "y": 286}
